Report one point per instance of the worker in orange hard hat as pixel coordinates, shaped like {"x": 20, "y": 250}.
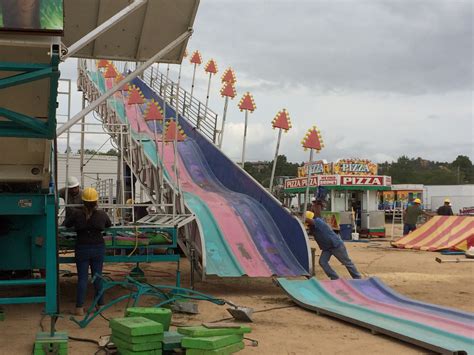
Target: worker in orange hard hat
{"x": 446, "y": 209}
{"x": 89, "y": 224}
{"x": 410, "y": 216}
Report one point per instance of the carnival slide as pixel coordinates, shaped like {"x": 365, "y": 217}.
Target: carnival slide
{"x": 245, "y": 230}
{"x": 371, "y": 304}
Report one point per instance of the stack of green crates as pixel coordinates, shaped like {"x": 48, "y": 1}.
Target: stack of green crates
{"x": 216, "y": 341}
{"x": 137, "y": 336}
{"x": 47, "y": 344}
{"x": 157, "y": 314}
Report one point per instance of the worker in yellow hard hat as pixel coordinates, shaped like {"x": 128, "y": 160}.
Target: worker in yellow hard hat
{"x": 410, "y": 216}
{"x": 330, "y": 244}
{"x": 446, "y": 209}
{"x": 309, "y": 215}
{"x": 89, "y": 223}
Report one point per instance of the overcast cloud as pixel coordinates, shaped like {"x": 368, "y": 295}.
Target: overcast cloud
{"x": 380, "y": 78}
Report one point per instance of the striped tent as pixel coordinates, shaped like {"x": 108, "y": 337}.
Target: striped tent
{"x": 440, "y": 232}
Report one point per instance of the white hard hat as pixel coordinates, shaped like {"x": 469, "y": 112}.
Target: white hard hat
{"x": 72, "y": 182}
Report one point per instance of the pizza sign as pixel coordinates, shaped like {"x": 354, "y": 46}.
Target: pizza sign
{"x": 300, "y": 182}
{"x": 317, "y": 167}
{"x": 362, "y": 180}
{"x": 316, "y": 180}
{"x": 355, "y": 167}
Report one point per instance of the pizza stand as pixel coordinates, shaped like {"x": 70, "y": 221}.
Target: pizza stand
{"x": 353, "y": 185}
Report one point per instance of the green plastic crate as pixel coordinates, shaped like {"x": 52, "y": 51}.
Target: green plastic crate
{"x": 140, "y": 339}
{"x": 229, "y": 349}
{"x": 201, "y": 331}
{"x": 160, "y": 315}
{"x": 172, "y": 340}
{"x": 135, "y": 326}
{"x": 135, "y": 347}
{"x": 211, "y": 343}
{"x": 148, "y": 352}
{"x": 58, "y": 343}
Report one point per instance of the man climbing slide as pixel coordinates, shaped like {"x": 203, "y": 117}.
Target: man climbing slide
{"x": 330, "y": 244}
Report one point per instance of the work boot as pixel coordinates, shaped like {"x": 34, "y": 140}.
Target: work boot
{"x": 79, "y": 311}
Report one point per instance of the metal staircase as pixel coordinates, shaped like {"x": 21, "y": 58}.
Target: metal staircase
{"x": 165, "y": 195}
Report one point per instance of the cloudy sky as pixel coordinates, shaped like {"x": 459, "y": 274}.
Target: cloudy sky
{"x": 380, "y": 78}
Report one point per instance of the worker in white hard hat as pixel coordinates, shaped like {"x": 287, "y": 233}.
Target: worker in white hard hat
{"x": 446, "y": 209}
{"x": 71, "y": 194}
{"x": 89, "y": 222}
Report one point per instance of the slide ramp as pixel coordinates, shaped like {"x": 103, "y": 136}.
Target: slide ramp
{"x": 244, "y": 230}
{"x": 439, "y": 233}
{"x": 378, "y": 291}
{"x": 342, "y": 300}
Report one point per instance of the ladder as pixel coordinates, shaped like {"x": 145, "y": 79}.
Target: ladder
{"x": 170, "y": 209}
{"x": 397, "y": 224}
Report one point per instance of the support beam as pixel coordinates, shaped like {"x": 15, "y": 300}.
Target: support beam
{"x": 25, "y": 77}
{"x": 126, "y": 80}
{"x": 119, "y": 16}
{"x": 24, "y": 120}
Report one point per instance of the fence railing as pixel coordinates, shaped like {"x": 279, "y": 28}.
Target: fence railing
{"x": 205, "y": 120}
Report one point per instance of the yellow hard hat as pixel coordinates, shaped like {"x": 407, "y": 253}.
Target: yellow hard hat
{"x": 90, "y": 195}
{"x": 447, "y": 200}
{"x": 309, "y": 214}
{"x": 417, "y": 200}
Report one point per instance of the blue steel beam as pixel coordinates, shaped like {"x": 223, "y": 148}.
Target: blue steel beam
{"x": 24, "y": 67}
{"x": 25, "y": 120}
{"x": 22, "y": 300}
{"x": 27, "y": 77}
{"x": 22, "y": 282}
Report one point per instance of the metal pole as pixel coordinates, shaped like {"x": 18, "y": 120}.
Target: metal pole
{"x": 162, "y": 156}
{"x": 74, "y": 48}
{"x": 275, "y": 160}
{"x": 221, "y": 138}
{"x": 126, "y": 80}
{"x": 306, "y": 194}
{"x": 192, "y": 88}
{"x": 245, "y": 138}
{"x": 83, "y": 127}
{"x": 66, "y": 195}
{"x": 122, "y": 172}
{"x": 207, "y": 95}
{"x": 175, "y": 147}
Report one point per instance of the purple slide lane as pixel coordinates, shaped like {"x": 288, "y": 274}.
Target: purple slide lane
{"x": 342, "y": 290}
{"x": 378, "y": 291}
{"x": 230, "y": 223}
{"x": 260, "y": 225}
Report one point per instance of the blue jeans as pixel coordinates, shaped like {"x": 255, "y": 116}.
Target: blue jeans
{"x": 341, "y": 254}
{"x": 407, "y": 228}
{"x": 88, "y": 256}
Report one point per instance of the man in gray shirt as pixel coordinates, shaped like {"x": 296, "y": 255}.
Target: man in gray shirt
{"x": 71, "y": 194}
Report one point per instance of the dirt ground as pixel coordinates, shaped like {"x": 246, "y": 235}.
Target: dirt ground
{"x": 289, "y": 330}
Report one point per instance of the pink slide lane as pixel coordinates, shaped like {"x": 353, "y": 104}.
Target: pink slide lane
{"x": 342, "y": 290}
{"x": 232, "y": 227}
